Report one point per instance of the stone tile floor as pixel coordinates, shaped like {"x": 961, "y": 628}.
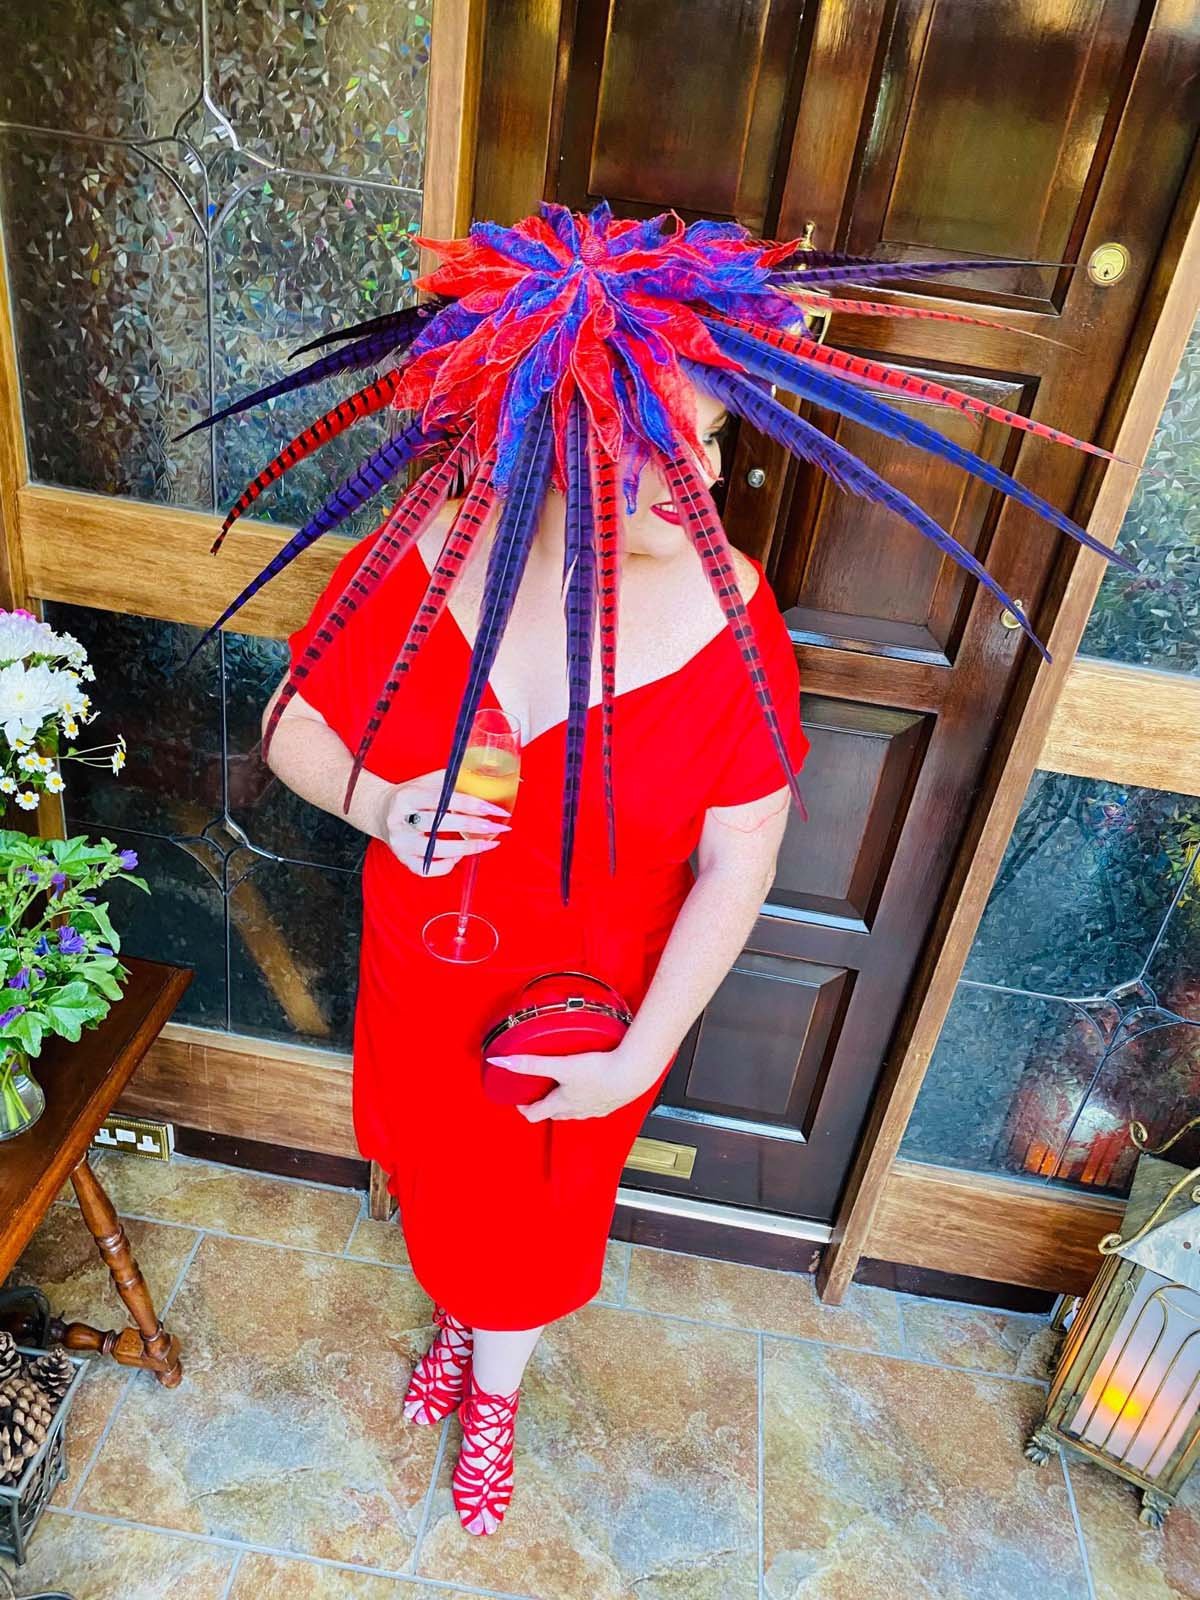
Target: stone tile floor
{"x": 700, "y": 1431}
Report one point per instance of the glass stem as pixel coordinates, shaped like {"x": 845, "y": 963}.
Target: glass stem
{"x": 464, "y": 904}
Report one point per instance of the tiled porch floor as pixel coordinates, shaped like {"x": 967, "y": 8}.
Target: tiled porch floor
{"x": 701, "y": 1431}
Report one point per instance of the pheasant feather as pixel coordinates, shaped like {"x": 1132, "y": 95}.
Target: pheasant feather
{"x": 363, "y": 353}
{"x": 825, "y": 390}
{"x": 608, "y": 540}
{"x": 703, "y": 523}
{"x": 506, "y": 565}
{"x": 579, "y": 577}
{"x": 363, "y": 404}
{"x": 470, "y": 517}
{"x": 401, "y": 528}
{"x": 846, "y": 469}
{"x": 365, "y": 481}
{"x": 412, "y": 318}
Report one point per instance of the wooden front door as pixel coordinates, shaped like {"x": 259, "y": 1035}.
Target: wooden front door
{"x": 972, "y": 128}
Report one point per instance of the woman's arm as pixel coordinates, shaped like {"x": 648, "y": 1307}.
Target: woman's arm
{"x": 739, "y": 847}
{"x": 311, "y": 758}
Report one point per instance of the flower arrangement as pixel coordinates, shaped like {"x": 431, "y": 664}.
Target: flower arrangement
{"x": 58, "y": 949}
{"x": 41, "y": 699}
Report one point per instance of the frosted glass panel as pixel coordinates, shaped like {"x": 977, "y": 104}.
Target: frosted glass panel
{"x": 1080, "y": 1005}
{"x": 171, "y": 238}
{"x": 1152, "y": 617}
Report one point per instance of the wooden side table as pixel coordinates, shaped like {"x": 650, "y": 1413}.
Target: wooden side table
{"x": 82, "y": 1083}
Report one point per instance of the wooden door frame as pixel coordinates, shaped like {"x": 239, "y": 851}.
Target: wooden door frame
{"x": 1056, "y": 710}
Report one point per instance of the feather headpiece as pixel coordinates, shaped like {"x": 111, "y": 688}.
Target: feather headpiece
{"x": 561, "y": 352}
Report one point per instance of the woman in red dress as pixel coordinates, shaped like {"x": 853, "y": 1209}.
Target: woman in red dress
{"x": 506, "y": 1209}
{"x": 574, "y": 370}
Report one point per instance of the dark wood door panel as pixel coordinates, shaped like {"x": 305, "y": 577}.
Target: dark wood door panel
{"x": 990, "y": 136}
{"x": 861, "y": 771}
{"x": 857, "y": 576}
{"x": 661, "y": 112}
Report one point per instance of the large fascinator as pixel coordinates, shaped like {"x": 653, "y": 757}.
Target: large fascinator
{"x": 560, "y": 352}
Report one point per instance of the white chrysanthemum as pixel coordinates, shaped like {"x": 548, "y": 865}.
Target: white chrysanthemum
{"x": 70, "y": 647}
{"x": 27, "y": 800}
{"x": 20, "y": 636}
{"x": 55, "y": 784}
{"x": 8, "y": 785}
{"x": 118, "y": 760}
{"x": 29, "y": 762}
{"x": 28, "y": 695}
{"x": 71, "y": 697}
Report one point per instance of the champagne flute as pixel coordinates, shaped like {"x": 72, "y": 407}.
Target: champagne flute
{"x": 490, "y": 770}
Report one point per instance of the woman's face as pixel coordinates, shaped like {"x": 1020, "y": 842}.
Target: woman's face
{"x": 654, "y": 527}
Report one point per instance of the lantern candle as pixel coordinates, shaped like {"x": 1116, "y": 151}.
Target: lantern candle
{"x": 1126, "y": 1386}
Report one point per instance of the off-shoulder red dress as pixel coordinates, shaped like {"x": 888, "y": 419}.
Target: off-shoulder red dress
{"x": 506, "y": 1220}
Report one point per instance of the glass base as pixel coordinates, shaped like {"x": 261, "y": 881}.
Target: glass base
{"x": 452, "y": 937}
{"x": 21, "y": 1100}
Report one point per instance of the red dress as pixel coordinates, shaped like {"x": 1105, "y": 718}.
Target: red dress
{"x": 506, "y": 1220}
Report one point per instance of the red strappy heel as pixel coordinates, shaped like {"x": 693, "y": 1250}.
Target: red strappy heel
{"x": 483, "y": 1474}
{"x": 439, "y": 1377}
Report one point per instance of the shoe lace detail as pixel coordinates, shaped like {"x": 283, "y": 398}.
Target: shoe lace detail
{"x": 439, "y": 1378}
{"x": 483, "y": 1475}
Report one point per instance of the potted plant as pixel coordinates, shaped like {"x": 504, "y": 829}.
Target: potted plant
{"x": 58, "y": 949}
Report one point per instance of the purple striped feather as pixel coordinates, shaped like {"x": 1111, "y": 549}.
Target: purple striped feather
{"x": 401, "y": 528}
{"x": 579, "y": 577}
{"x": 851, "y": 401}
{"x": 357, "y": 489}
{"x": 526, "y": 490}
{"x": 407, "y": 323}
{"x": 850, "y": 473}
{"x": 468, "y": 520}
{"x": 363, "y": 353}
{"x": 868, "y": 271}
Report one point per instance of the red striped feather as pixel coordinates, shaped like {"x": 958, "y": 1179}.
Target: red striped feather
{"x": 703, "y": 523}
{"x": 606, "y": 523}
{"x": 469, "y": 519}
{"x": 907, "y": 384}
{"x": 373, "y": 398}
{"x": 401, "y": 528}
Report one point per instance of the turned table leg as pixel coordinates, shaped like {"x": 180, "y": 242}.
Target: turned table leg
{"x": 147, "y": 1345}
{"x": 380, "y": 1202}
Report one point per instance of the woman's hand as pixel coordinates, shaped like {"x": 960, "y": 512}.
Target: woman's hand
{"x": 483, "y": 820}
{"x": 589, "y": 1085}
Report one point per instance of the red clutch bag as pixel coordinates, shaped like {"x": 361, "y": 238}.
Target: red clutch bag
{"x": 555, "y": 1014}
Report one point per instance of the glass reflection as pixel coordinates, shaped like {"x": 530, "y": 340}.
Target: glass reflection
{"x": 1080, "y": 1010}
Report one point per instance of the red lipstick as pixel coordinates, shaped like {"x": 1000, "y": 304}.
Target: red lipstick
{"x": 666, "y": 510}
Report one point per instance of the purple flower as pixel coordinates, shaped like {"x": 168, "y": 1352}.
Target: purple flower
{"x": 128, "y": 859}
{"x": 41, "y": 971}
{"x": 7, "y": 1016}
{"x": 42, "y": 947}
{"x": 101, "y": 950}
{"x": 19, "y": 980}
{"x": 32, "y": 874}
{"x": 71, "y": 943}
{"x": 57, "y": 880}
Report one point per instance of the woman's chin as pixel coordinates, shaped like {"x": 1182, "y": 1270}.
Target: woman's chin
{"x": 663, "y": 543}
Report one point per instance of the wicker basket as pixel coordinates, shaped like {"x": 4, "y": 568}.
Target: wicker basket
{"x": 22, "y": 1503}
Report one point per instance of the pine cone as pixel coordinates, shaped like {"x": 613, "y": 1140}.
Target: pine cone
{"x": 10, "y": 1357}
{"x": 52, "y": 1373}
{"x": 25, "y": 1415}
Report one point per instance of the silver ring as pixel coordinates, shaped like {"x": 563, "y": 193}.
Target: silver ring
{"x": 413, "y": 818}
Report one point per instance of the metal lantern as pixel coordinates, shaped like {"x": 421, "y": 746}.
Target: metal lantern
{"x": 1126, "y": 1390}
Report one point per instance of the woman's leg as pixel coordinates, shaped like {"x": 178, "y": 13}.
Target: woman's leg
{"x": 483, "y": 1475}
{"x": 500, "y": 1357}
